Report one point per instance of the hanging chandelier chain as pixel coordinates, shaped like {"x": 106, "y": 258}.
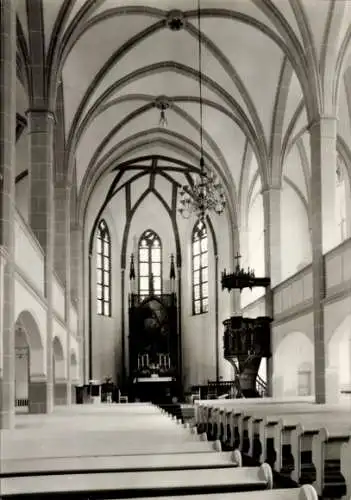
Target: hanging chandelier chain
{"x": 200, "y": 87}
{"x": 205, "y": 195}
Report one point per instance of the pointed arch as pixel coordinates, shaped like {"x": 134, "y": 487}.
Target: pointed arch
{"x": 150, "y": 264}
{"x": 199, "y": 258}
{"x": 103, "y": 269}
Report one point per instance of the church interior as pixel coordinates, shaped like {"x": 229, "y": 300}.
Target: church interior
{"x": 175, "y": 225}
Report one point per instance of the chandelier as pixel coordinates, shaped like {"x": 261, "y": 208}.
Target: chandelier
{"x": 205, "y": 194}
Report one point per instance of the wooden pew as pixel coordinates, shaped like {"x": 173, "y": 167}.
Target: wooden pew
{"x": 326, "y": 454}
{"x": 278, "y": 430}
{"x": 48, "y": 449}
{"x": 308, "y": 463}
{"x": 345, "y": 456}
{"x": 277, "y": 426}
{"x": 306, "y": 492}
{"x": 119, "y": 463}
{"x": 217, "y": 415}
{"x": 243, "y": 417}
{"x": 86, "y": 442}
{"x": 203, "y": 407}
{"x": 130, "y": 485}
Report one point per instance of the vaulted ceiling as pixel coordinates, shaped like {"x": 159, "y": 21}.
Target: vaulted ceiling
{"x": 116, "y": 58}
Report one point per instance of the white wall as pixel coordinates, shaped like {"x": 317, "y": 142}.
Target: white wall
{"x": 337, "y": 321}
{"x": 73, "y": 318}
{"x": 198, "y": 331}
{"x": 106, "y": 331}
{"x": 255, "y": 248}
{"x": 22, "y": 197}
{"x": 295, "y": 236}
{"x": 29, "y": 256}
{"x": 293, "y": 350}
{"x": 58, "y": 297}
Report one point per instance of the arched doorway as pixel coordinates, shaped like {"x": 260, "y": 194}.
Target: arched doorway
{"x": 59, "y": 373}
{"x": 338, "y": 369}
{"x": 22, "y": 370}
{"x": 293, "y": 366}
{"x": 29, "y": 363}
{"x": 74, "y": 374}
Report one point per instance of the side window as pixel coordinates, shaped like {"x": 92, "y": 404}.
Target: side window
{"x": 103, "y": 269}
{"x": 150, "y": 264}
{"x": 200, "y": 268}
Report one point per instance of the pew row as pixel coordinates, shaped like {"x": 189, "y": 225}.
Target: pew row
{"x": 277, "y": 431}
{"x": 326, "y": 457}
{"x": 131, "y": 485}
{"x": 221, "y": 421}
{"x": 269, "y": 435}
{"x": 283, "y": 435}
{"x": 125, "y": 463}
{"x": 306, "y": 492}
{"x": 204, "y": 407}
{"x": 112, "y": 447}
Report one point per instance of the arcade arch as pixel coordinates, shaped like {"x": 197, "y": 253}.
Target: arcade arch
{"x": 293, "y": 366}
{"x": 29, "y": 359}
{"x": 58, "y": 372}
{"x": 339, "y": 361}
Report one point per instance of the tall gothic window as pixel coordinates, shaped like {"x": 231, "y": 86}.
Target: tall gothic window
{"x": 103, "y": 269}
{"x": 150, "y": 264}
{"x": 200, "y": 268}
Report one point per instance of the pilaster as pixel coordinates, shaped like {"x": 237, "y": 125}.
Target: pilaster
{"x": 41, "y": 214}
{"x": 272, "y": 256}
{"x": 323, "y": 227}
{"x": 62, "y": 229}
{"x": 272, "y": 248}
{"x": 7, "y": 188}
{"x": 62, "y": 261}
{"x": 76, "y": 292}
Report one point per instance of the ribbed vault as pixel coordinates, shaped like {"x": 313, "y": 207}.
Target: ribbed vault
{"x": 267, "y": 69}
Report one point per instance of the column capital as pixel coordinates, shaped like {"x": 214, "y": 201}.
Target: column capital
{"x": 40, "y": 113}
{"x": 62, "y": 184}
{"x": 271, "y": 189}
{"x": 323, "y": 121}
{"x": 76, "y": 226}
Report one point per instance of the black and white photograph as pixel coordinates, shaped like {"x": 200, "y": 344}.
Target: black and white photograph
{"x": 175, "y": 249}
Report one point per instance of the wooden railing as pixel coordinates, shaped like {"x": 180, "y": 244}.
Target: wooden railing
{"x": 21, "y": 403}
{"x": 261, "y": 386}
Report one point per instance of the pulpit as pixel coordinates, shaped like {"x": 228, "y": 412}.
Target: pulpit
{"x": 246, "y": 342}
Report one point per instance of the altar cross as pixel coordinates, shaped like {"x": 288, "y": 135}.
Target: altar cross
{"x": 237, "y": 258}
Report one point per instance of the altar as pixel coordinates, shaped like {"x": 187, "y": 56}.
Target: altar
{"x": 153, "y": 349}
{"x": 158, "y": 390}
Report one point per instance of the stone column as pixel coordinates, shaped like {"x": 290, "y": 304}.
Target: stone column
{"x": 7, "y": 188}
{"x": 272, "y": 249}
{"x": 41, "y": 217}
{"x": 323, "y": 171}
{"x": 77, "y": 266}
{"x": 61, "y": 249}
{"x": 76, "y": 239}
{"x": 62, "y": 261}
